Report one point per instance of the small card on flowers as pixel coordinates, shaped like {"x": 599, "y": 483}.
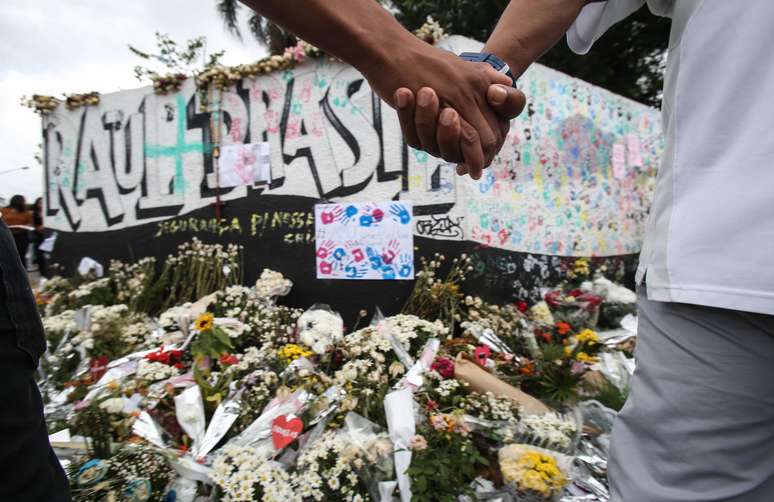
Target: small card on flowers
{"x": 365, "y": 240}
{"x": 243, "y": 164}
{"x": 285, "y": 429}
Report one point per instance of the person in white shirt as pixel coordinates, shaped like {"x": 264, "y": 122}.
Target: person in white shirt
{"x": 699, "y": 422}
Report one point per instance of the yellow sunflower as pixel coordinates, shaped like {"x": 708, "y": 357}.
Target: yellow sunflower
{"x": 204, "y": 322}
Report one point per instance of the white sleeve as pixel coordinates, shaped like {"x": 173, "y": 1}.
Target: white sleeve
{"x": 595, "y": 19}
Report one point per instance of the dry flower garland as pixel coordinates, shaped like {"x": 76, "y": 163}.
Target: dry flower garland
{"x": 73, "y": 101}
{"x": 41, "y": 104}
{"x": 220, "y": 76}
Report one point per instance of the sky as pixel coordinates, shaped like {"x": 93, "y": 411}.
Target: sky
{"x": 52, "y": 47}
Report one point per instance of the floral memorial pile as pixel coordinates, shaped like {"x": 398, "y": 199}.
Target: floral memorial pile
{"x": 177, "y": 383}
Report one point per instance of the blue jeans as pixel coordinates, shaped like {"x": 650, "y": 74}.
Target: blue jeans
{"x": 29, "y": 470}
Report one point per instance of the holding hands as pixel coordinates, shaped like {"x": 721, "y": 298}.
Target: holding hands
{"x": 451, "y": 108}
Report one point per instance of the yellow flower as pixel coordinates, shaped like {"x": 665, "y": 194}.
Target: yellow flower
{"x": 291, "y": 352}
{"x": 204, "y": 322}
{"x": 585, "y": 358}
{"x": 588, "y": 336}
{"x": 581, "y": 266}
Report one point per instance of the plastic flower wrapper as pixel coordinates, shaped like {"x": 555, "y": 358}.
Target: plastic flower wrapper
{"x": 533, "y": 473}
{"x": 189, "y": 409}
{"x": 272, "y": 284}
{"x": 259, "y": 434}
{"x": 399, "y": 408}
{"x": 332, "y": 467}
{"x": 553, "y": 431}
{"x": 576, "y": 307}
{"x": 486, "y": 336}
{"x": 135, "y": 473}
{"x": 234, "y": 328}
{"x": 379, "y": 323}
{"x": 415, "y": 376}
{"x": 377, "y": 447}
{"x": 618, "y": 301}
{"x": 224, "y": 417}
{"x": 146, "y": 428}
{"x": 320, "y": 328}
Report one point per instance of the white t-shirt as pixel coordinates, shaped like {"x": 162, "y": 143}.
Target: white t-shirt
{"x": 710, "y": 235}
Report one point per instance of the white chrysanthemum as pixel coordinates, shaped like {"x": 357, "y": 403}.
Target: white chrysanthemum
{"x": 320, "y": 329}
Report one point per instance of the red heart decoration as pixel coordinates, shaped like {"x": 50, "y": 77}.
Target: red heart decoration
{"x": 284, "y": 431}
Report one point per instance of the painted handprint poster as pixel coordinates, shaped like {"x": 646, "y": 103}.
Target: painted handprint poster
{"x": 364, "y": 240}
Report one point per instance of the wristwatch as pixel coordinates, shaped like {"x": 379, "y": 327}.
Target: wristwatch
{"x": 493, "y": 61}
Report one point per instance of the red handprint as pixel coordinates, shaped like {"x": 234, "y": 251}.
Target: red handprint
{"x": 503, "y": 235}
{"x": 357, "y": 252}
{"x": 325, "y": 249}
{"x": 325, "y": 268}
{"x": 329, "y": 217}
{"x": 389, "y": 254}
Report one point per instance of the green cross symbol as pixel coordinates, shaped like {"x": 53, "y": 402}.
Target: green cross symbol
{"x": 178, "y": 150}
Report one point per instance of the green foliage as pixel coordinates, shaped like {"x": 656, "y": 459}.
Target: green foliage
{"x": 558, "y": 383}
{"x": 271, "y": 35}
{"x": 609, "y": 395}
{"x": 628, "y": 60}
{"x": 213, "y": 392}
{"x": 444, "y": 470}
{"x": 211, "y": 343}
{"x": 173, "y": 58}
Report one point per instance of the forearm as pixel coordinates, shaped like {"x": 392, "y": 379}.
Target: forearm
{"x": 360, "y": 32}
{"x": 528, "y": 28}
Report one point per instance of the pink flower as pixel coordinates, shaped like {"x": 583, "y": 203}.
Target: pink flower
{"x": 481, "y": 354}
{"x": 432, "y": 405}
{"x": 444, "y": 367}
{"x": 463, "y": 429}
{"x": 418, "y": 443}
{"x": 438, "y": 422}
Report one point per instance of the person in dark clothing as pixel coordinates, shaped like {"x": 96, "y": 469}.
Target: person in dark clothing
{"x": 19, "y": 219}
{"x": 30, "y": 470}
{"x": 39, "y": 237}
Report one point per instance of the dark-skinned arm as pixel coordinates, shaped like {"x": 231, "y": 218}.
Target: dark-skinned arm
{"x": 365, "y": 35}
{"x": 526, "y": 30}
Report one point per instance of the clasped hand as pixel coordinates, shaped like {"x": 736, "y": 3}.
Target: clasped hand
{"x": 461, "y": 110}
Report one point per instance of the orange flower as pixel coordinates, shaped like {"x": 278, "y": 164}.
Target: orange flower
{"x": 563, "y": 328}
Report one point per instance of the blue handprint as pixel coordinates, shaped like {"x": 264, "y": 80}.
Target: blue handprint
{"x": 366, "y": 221}
{"x": 400, "y": 212}
{"x": 406, "y": 265}
{"x": 388, "y": 272}
{"x": 339, "y": 254}
{"x": 486, "y": 183}
{"x": 356, "y": 270}
{"x": 349, "y": 213}
{"x": 374, "y": 258}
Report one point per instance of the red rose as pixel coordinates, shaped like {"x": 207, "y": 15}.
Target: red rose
{"x": 522, "y": 306}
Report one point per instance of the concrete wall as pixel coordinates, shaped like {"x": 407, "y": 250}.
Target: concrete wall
{"x": 574, "y": 178}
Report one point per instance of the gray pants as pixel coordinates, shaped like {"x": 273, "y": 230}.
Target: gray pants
{"x": 699, "y": 422}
